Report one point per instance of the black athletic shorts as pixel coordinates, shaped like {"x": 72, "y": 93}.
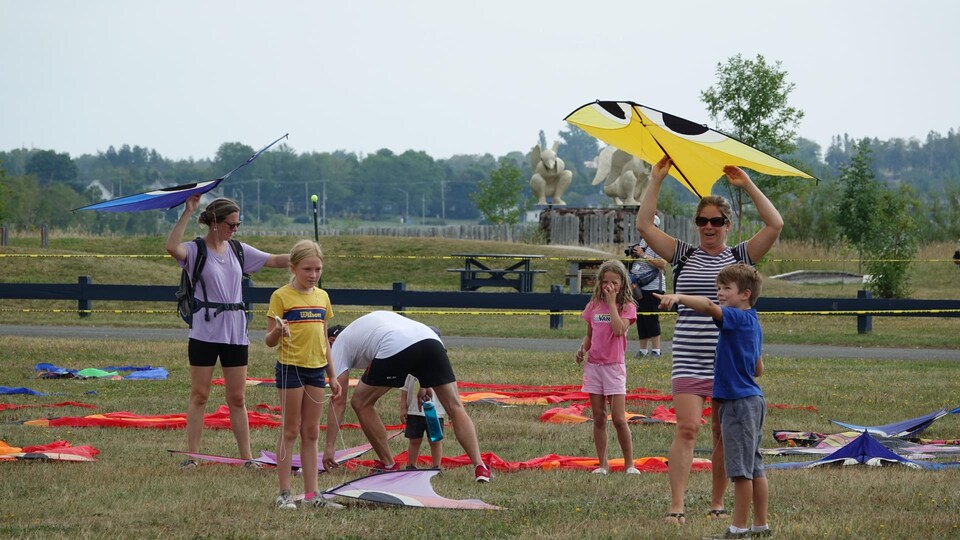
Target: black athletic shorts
{"x": 205, "y": 354}
{"x": 426, "y": 360}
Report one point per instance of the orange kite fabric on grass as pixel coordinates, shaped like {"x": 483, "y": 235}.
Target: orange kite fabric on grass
{"x": 549, "y": 462}
{"x": 574, "y": 415}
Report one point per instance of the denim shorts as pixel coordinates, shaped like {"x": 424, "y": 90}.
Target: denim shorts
{"x": 297, "y": 377}
{"x": 741, "y": 422}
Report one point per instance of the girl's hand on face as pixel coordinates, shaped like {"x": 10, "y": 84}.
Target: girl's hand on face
{"x": 610, "y": 292}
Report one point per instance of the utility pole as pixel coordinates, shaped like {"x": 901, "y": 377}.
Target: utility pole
{"x": 423, "y": 206}
{"x": 324, "y": 202}
{"x": 258, "y": 201}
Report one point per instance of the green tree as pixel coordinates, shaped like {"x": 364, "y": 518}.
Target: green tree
{"x": 750, "y": 101}
{"x": 879, "y": 223}
{"x": 49, "y": 166}
{"x": 893, "y": 246}
{"x": 500, "y": 199}
{"x": 859, "y": 199}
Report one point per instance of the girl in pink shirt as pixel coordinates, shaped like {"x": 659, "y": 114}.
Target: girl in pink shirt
{"x": 609, "y": 314}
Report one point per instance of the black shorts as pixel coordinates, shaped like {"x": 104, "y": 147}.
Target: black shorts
{"x": 205, "y": 354}
{"x": 648, "y": 326}
{"x": 426, "y": 360}
{"x": 416, "y": 426}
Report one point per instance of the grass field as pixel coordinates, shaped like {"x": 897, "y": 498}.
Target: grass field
{"x": 136, "y": 489}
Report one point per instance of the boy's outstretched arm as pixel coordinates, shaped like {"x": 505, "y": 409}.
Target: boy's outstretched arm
{"x": 697, "y": 303}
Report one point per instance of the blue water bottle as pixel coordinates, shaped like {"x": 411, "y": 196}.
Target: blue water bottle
{"x": 434, "y": 426}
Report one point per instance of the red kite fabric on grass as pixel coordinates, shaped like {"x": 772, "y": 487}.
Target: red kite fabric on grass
{"x": 55, "y": 451}
{"x": 12, "y": 406}
{"x": 216, "y": 420}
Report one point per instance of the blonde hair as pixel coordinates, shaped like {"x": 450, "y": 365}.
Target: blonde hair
{"x": 744, "y": 277}
{"x": 624, "y": 295}
{"x": 301, "y": 250}
{"x": 217, "y": 211}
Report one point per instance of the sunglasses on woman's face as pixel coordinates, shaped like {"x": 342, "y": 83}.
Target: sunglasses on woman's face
{"x": 233, "y": 226}
{"x": 715, "y": 221}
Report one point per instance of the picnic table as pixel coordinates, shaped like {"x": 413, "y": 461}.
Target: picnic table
{"x": 476, "y": 273}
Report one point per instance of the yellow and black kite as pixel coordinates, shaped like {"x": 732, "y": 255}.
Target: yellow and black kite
{"x": 699, "y": 153}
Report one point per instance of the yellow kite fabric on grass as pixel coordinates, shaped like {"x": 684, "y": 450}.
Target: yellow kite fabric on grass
{"x": 699, "y": 153}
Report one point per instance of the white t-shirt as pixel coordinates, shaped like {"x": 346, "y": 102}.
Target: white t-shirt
{"x": 380, "y": 334}
{"x": 411, "y": 386}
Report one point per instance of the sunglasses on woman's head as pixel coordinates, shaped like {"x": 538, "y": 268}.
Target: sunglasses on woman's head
{"x": 715, "y": 221}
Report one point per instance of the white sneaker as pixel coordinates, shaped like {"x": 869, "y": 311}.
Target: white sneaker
{"x": 320, "y": 502}
{"x": 600, "y": 471}
{"x": 640, "y": 354}
{"x": 285, "y": 501}
{"x": 632, "y": 470}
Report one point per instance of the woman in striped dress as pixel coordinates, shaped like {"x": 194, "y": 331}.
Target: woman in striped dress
{"x": 695, "y": 335}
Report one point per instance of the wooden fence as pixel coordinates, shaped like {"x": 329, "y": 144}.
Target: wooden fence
{"x": 398, "y": 299}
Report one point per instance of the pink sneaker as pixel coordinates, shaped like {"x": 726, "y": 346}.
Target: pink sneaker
{"x": 482, "y": 473}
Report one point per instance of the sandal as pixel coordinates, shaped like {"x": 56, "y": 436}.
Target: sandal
{"x": 676, "y": 518}
{"x": 718, "y": 513}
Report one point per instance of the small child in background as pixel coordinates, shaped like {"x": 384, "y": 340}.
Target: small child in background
{"x": 411, "y": 413}
{"x": 736, "y": 393}
{"x": 296, "y": 320}
{"x": 609, "y": 315}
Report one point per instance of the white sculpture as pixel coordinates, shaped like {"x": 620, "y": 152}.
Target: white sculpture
{"x": 624, "y": 176}
{"x": 549, "y": 178}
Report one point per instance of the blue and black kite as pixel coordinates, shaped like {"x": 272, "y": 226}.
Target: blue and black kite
{"x": 169, "y": 197}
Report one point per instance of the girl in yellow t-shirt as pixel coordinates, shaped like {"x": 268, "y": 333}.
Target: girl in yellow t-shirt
{"x": 297, "y": 321}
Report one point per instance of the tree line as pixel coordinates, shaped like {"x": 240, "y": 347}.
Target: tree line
{"x": 42, "y": 186}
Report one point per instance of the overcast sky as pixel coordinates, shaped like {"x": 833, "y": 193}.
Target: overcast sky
{"x": 448, "y": 77}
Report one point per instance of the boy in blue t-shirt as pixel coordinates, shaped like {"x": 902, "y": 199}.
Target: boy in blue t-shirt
{"x": 736, "y": 393}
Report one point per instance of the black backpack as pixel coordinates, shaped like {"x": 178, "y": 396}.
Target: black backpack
{"x": 187, "y": 303}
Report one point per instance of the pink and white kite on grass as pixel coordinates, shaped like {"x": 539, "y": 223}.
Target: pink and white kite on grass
{"x": 404, "y": 488}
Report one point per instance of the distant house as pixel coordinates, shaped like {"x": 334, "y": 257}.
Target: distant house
{"x": 105, "y": 192}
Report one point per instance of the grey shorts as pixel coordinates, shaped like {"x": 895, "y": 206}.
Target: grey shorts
{"x": 741, "y": 423}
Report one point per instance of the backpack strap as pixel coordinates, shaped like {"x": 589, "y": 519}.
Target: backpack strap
{"x": 677, "y": 268}
{"x": 238, "y": 251}
{"x": 199, "y": 263}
